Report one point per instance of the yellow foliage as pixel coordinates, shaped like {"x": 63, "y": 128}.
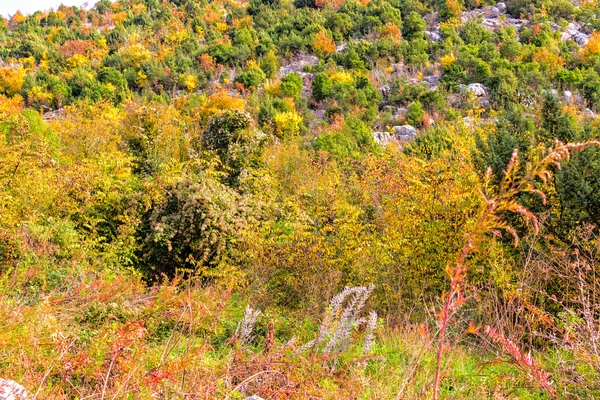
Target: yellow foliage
{"x": 593, "y": 45}
{"x": 78, "y": 60}
{"x": 447, "y": 60}
{"x": 120, "y": 17}
{"x": 11, "y": 80}
{"x": 287, "y": 123}
{"x": 177, "y": 37}
{"x": 190, "y": 82}
{"x": 272, "y": 89}
{"x": 141, "y": 78}
{"x": 10, "y": 105}
{"x": 341, "y": 77}
{"x": 218, "y": 102}
{"x": 135, "y": 54}
{"x": 222, "y": 27}
{"x": 41, "y": 96}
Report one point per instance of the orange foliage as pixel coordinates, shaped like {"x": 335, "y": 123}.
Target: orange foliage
{"x": 548, "y": 60}
{"x": 593, "y": 46}
{"x": 10, "y": 106}
{"x": 119, "y": 17}
{"x": 72, "y": 47}
{"x": 392, "y": 31}
{"x": 335, "y": 4}
{"x": 323, "y": 44}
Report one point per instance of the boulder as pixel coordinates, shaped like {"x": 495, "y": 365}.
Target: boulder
{"x": 404, "y": 132}
{"x": 477, "y": 89}
{"x": 434, "y": 36}
{"x": 384, "y": 90}
{"x": 382, "y": 138}
{"x": 254, "y": 397}
{"x": 568, "y": 97}
{"x": 501, "y": 6}
{"x": 432, "y": 80}
{"x": 11, "y": 390}
{"x": 574, "y": 33}
{"x": 400, "y": 113}
{"x": 588, "y": 113}
{"x": 491, "y": 11}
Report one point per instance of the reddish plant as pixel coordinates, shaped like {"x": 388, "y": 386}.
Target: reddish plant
{"x": 490, "y": 220}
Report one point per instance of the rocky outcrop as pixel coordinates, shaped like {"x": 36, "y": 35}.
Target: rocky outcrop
{"x": 477, "y": 89}
{"x": 11, "y": 390}
{"x": 382, "y": 138}
{"x": 405, "y": 132}
{"x": 575, "y": 33}
{"x": 493, "y": 18}
{"x": 298, "y": 63}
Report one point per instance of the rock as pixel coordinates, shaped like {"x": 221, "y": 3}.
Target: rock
{"x": 434, "y": 36}
{"x": 382, "y": 138}
{"x": 432, "y": 80}
{"x": 588, "y": 113}
{"x": 254, "y": 397}
{"x": 341, "y": 47}
{"x": 568, "y": 97}
{"x": 468, "y": 121}
{"x": 501, "y": 7}
{"x": 491, "y": 11}
{"x": 477, "y": 89}
{"x": 11, "y": 390}
{"x": 574, "y": 33}
{"x": 400, "y": 113}
{"x": 385, "y": 90}
{"x": 404, "y": 132}
{"x": 298, "y": 63}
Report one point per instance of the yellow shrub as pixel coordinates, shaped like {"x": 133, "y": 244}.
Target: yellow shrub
{"x": 341, "y": 77}
{"x": 78, "y": 60}
{"x": 11, "y": 80}
{"x": 447, "y": 60}
{"x": 287, "y": 124}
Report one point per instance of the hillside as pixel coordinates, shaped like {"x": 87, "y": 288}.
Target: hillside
{"x": 317, "y": 199}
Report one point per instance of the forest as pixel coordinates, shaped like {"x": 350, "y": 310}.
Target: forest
{"x": 301, "y": 199}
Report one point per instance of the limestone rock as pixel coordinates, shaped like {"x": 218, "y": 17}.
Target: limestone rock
{"x": 382, "y": 138}
{"x": 404, "y": 132}
{"x": 11, "y": 390}
{"x": 477, "y": 89}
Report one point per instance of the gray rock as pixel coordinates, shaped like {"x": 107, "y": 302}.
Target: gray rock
{"x": 385, "y": 90}
{"x": 11, "y": 390}
{"x": 254, "y": 397}
{"x": 588, "y": 113}
{"x": 434, "y": 36}
{"x": 468, "y": 121}
{"x": 574, "y": 33}
{"x": 404, "y": 132}
{"x": 491, "y": 11}
{"x": 432, "y": 80}
{"x": 568, "y": 97}
{"x": 382, "y": 138}
{"x": 341, "y": 47}
{"x": 401, "y": 112}
{"x": 501, "y": 6}
{"x": 477, "y": 89}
